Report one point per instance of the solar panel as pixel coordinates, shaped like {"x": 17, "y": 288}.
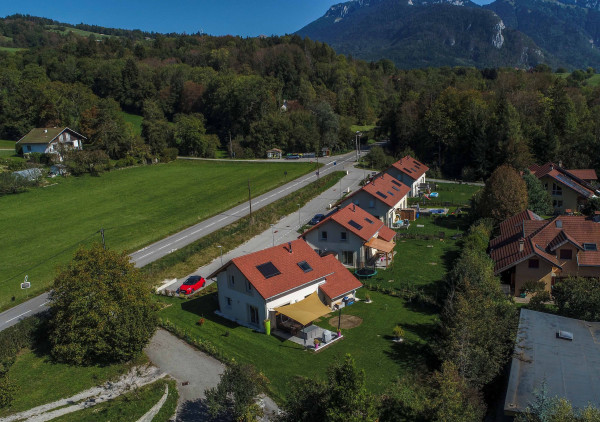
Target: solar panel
{"x": 368, "y": 220}
{"x": 570, "y": 183}
{"x": 397, "y": 183}
{"x": 590, "y": 247}
{"x": 395, "y": 188}
{"x": 268, "y": 270}
{"x": 355, "y": 224}
{"x": 384, "y": 196}
{"x": 304, "y": 266}
{"x": 390, "y": 193}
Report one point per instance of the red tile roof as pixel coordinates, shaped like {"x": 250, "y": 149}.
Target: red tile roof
{"x": 411, "y": 167}
{"x": 542, "y": 238}
{"x": 386, "y": 189}
{"x": 341, "y": 281}
{"x": 588, "y": 259}
{"x": 584, "y": 174}
{"x": 565, "y": 177}
{"x": 290, "y": 274}
{"x": 366, "y": 225}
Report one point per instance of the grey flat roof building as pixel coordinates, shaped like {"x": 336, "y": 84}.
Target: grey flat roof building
{"x": 570, "y": 367}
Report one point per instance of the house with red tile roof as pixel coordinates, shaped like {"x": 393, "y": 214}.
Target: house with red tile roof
{"x": 410, "y": 172}
{"x": 569, "y": 189}
{"x": 382, "y": 197}
{"x": 530, "y": 248}
{"x": 251, "y": 286}
{"x": 353, "y": 235}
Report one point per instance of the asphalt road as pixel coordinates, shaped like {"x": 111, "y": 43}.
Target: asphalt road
{"x": 170, "y": 244}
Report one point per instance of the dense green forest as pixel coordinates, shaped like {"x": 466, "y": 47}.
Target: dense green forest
{"x": 200, "y": 93}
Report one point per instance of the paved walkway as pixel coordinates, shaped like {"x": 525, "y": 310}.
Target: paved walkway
{"x": 286, "y": 229}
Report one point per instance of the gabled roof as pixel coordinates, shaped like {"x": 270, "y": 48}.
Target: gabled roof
{"x": 358, "y": 221}
{"x": 386, "y": 189}
{"x": 45, "y": 135}
{"x": 584, "y": 174}
{"x": 542, "y": 238}
{"x": 341, "y": 281}
{"x": 411, "y": 167}
{"x": 287, "y": 273}
{"x": 565, "y": 177}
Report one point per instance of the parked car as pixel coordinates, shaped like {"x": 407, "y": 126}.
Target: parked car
{"x": 192, "y": 284}
{"x": 292, "y": 157}
{"x": 317, "y": 219}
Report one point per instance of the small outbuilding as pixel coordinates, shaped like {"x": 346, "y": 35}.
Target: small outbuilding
{"x": 274, "y": 153}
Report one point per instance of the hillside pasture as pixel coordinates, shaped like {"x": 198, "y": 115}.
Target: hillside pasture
{"x": 42, "y": 228}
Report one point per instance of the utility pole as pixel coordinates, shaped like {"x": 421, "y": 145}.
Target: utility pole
{"x": 102, "y": 233}
{"x": 250, "y": 200}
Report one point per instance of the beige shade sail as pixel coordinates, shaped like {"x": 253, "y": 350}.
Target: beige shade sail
{"x": 380, "y": 245}
{"x": 305, "y": 311}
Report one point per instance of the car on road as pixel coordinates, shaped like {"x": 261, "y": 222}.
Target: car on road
{"x": 292, "y": 157}
{"x": 192, "y": 284}
{"x": 317, "y": 219}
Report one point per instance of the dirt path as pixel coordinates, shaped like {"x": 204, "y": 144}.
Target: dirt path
{"x": 136, "y": 378}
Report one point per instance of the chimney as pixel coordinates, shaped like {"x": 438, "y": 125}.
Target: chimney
{"x": 353, "y": 207}
{"x": 290, "y": 246}
{"x": 521, "y": 244}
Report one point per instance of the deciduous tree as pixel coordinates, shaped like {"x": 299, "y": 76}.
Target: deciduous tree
{"x": 504, "y": 194}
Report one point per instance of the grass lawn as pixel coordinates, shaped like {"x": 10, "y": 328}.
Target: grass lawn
{"x": 42, "y": 227}
{"x": 76, "y": 31}
{"x": 11, "y": 49}
{"x": 7, "y": 153}
{"x": 455, "y": 194}
{"x": 369, "y": 343}
{"x": 365, "y": 128}
{"x": 135, "y": 120}
{"x": 131, "y": 406}
{"x": 42, "y": 381}
{"x": 7, "y": 144}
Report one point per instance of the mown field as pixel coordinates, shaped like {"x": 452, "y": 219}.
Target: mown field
{"x": 7, "y": 144}
{"x": 135, "y": 120}
{"x": 136, "y": 206}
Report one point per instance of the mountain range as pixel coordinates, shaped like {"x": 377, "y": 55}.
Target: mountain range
{"x": 420, "y": 33}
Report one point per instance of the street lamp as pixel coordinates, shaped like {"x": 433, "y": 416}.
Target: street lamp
{"x": 358, "y": 135}
{"x": 221, "y": 248}
{"x": 273, "y": 233}
{"x": 299, "y": 223}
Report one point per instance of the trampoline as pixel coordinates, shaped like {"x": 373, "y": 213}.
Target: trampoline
{"x": 365, "y": 272}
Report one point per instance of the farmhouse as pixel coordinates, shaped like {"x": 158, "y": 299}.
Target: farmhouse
{"x": 50, "y": 141}
{"x": 410, "y": 172}
{"x": 530, "y": 248}
{"x": 274, "y": 153}
{"x": 382, "y": 197}
{"x": 569, "y": 189}
{"x": 251, "y": 286}
{"x": 353, "y": 235}
{"x": 558, "y": 351}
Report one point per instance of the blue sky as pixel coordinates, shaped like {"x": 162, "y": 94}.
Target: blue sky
{"x": 215, "y": 17}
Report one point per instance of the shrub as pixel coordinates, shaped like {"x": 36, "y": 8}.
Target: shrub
{"x": 169, "y": 154}
{"x": 398, "y": 331}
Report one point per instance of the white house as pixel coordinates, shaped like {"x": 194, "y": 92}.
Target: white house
{"x": 382, "y": 197}
{"x": 354, "y": 235}
{"x": 50, "y": 141}
{"x": 410, "y": 172}
{"x": 251, "y": 286}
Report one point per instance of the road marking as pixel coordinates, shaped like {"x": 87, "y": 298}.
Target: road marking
{"x": 44, "y": 304}
{"x": 17, "y": 316}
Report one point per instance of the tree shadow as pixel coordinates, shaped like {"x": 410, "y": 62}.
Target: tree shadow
{"x": 205, "y": 307}
{"x": 411, "y": 354}
{"x": 196, "y": 410}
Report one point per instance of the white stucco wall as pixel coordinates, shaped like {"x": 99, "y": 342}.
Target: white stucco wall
{"x": 334, "y": 242}
{"x": 375, "y": 207}
{"x": 407, "y": 180}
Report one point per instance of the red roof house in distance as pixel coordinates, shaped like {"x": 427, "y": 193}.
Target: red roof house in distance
{"x": 532, "y": 249}
{"x": 410, "y": 172}
{"x": 353, "y": 235}
{"x": 567, "y": 189}
{"x": 381, "y": 197}
{"x": 253, "y": 285}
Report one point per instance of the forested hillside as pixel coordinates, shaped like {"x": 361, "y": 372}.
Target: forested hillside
{"x": 201, "y": 93}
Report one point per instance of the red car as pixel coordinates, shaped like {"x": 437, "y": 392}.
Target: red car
{"x": 192, "y": 284}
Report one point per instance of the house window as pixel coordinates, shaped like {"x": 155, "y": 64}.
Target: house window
{"x": 253, "y": 310}
{"x": 248, "y": 286}
{"x": 232, "y": 281}
{"x": 228, "y": 302}
{"x": 28, "y": 147}
{"x": 534, "y": 263}
{"x": 566, "y": 254}
{"x": 323, "y": 235}
{"x": 556, "y": 190}
{"x": 343, "y": 236}
{"x": 348, "y": 257}
{"x": 557, "y": 204}
{"x": 356, "y": 202}
{"x": 371, "y": 204}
